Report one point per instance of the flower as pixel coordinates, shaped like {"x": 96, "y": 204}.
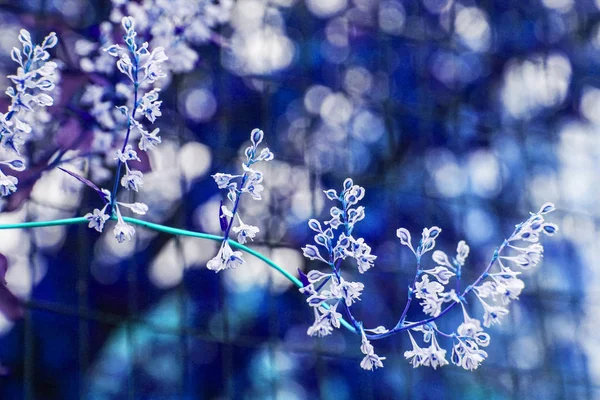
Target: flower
{"x": 361, "y": 252}
{"x": 97, "y": 219}
{"x": 467, "y": 354}
{"x": 492, "y": 314}
{"x": 148, "y": 141}
{"x": 252, "y": 185}
{"x": 371, "y": 360}
{"x": 122, "y": 230}
{"x": 321, "y": 327}
{"x": 349, "y": 291}
{"x": 127, "y": 154}
{"x": 8, "y": 184}
{"x": 442, "y": 274}
{"x": 425, "y": 288}
{"x": 432, "y": 305}
{"x": 462, "y": 252}
{"x": 325, "y": 320}
{"x": 149, "y": 106}
{"x": 435, "y": 356}
{"x": 222, "y": 180}
{"x": 509, "y": 289}
{"x": 417, "y": 355}
{"x": 138, "y": 208}
{"x": 132, "y": 180}
{"x": 226, "y": 258}
{"x": 245, "y": 232}
{"x": 470, "y": 327}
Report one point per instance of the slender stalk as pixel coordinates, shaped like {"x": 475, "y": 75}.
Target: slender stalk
{"x": 113, "y": 196}
{"x": 182, "y": 232}
{"x": 171, "y": 231}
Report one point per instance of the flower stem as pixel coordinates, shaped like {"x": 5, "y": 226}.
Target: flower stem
{"x": 113, "y": 196}
{"x": 171, "y": 231}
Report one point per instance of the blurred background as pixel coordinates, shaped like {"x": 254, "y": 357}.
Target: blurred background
{"x": 461, "y": 114}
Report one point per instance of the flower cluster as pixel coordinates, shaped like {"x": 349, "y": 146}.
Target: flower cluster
{"x": 328, "y": 291}
{"x": 174, "y": 26}
{"x": 142, "y": 67}
{"x": 33, "y": 83}
{"x": 249, "y": 182}
{"x": 177, "y": 25}
{"x": 494, "y": 288}
{"x": 500, "y": 286}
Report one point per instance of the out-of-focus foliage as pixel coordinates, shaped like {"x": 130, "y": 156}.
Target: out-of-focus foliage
{"x": 459, "y": 114}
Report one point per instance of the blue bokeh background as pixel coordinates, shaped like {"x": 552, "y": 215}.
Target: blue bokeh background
{"x": 461, "y": 114}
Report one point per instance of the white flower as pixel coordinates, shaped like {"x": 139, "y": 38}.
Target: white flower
{"x": 467, "y": 354}
{"x": 325, "y": 320}
{"x": 426, "y": 288}
{"x": 311, "y": 252}
{"x": 529, "y": 256}
{"x": 432, "y": 305}
{"x": 150, "y": 107}
{"x": 226, "y": 258}
{"x": 252, "y": 185}
{"x": 462, "y": 252}
{"x": 321, "y": 327}
{"x": 132, "y": 180}
{"x": 417, "y": 355}
{"x": 428, "y": 239}
{"x": 470, "y": 327}
{"x": 435, "y": 356}
{"x": 315, "y": 276}
{"x": 122, "y": 230}
{"x": 441, "y": 258}
{"x": 485, "y": 289}
{"x": 127, "y": 154}
{"x": 148, "y": 141}
{"x": 442, "y": 274}
{"x": 371, "y": 360}
{"x": 245, "y": 232}
{"x": 509, "y": 290}
{"x": 361, "y": 252}
{"x": 222, "y": 180}
{"x": 404, "y": 235}
{"x": 8, "y": 184}
{"x": 349, "y": 291}
{"x": 97, "y": 219}
{"x": 138, "y": 208}
{"x": 492, "y": 314}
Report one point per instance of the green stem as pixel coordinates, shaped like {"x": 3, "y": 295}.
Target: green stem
{"x": 172, "y": 231}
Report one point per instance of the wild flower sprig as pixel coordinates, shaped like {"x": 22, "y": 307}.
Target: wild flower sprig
{"x": 33, "y": 84}
{"x": 143, "y": 68}
{"x": 177, "y": 25}
{"x": 236, "y": 185}
{"x": 494, "y": 289}
{"x": 328, "y": 291}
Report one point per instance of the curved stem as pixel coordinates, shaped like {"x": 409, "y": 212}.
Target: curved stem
{"x": 172, "y": 231}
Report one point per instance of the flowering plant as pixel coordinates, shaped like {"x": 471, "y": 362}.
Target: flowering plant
{"x": 328, "y": 293}
{"x": 31, "y": 93}
{"x": 494, "y": 288}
